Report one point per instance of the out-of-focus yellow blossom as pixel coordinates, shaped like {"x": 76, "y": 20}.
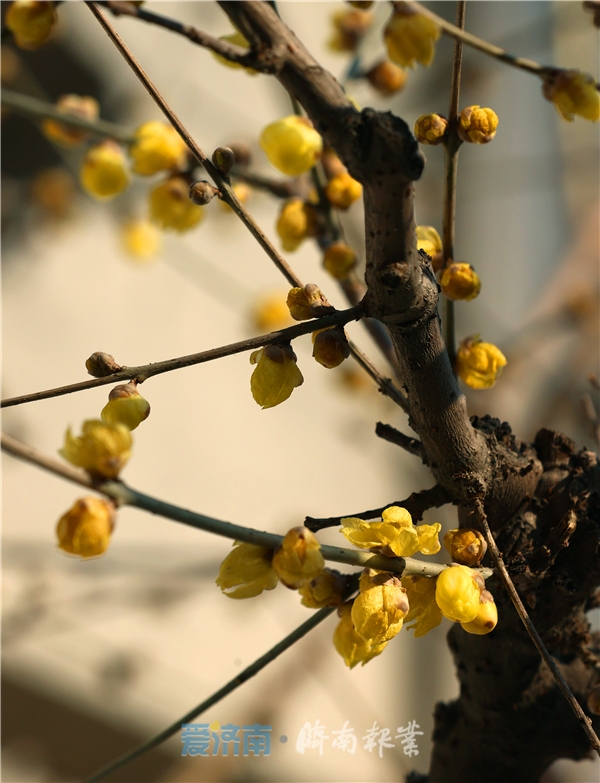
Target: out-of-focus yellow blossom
{"x": 410, "y": 36}
{"x": 573, "y": 92}
{"x": 466, "y": 546}
{"x": 394, "y": 535}
{"x": 246, "y": 571}
{"x": 86, "y": 528}
{"x": 430, "y": 241}
{"x": 477, "y": 125}
{"x": 239, "y": 40}
{"x": 332, "y": 165}
{"x": 380, "y": 607}
{"x": 348, "y": 29}
{"x": 156, "y": 147}
{"x": 275, "y": 376}
{"x": 342, "y": 190}
{"x": 270, "y": 312}
{"x": 101, "y": 449}
{"x": 486, "y": 618}
{"x": 31, "y": 22}
{"x": 460, "y": 282}
{"x": 298, "y": 559}
{"x": 387, "y": 78}
{"x": 104, "y": 171}
{"x": 242, "y": 191}
{"x": 330, "y": 347}
{"x": 479, "y": 364}
{"x": 141, "y": 239}
{"x": 457, "y": 594}
{"x": 431, "y": 128}
{"x": 292, "y": 145}
{"x": 339, "y": 260}
{"x": 325, "y": 589}
{"x": 424, "y": 613}
{"x": 352, "y": 647}
{"x": 82, "y": 106}
{"x": 125, "y": 406}
{"x": 171, "y": 208}
{"x": 296, "y": 222}
{"x": 54, "y": 191}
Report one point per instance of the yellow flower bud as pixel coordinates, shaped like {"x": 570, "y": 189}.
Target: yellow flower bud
{"x": 239, "y": 40}
{"x": 339, "y": 260}
{"x": 486, "y": 618}
{"x": 104, "y": 172}
{"x": 424, "y": 613}
{"x": 292, "y": 145}
{"x": 298, "y": 559}
{"x": 276, "y": 375}
{"x": 380, "y": 608}
{"x": 271, "y": 312}
{"x": 410, "y": 36}
{"x": 296, "y": 222}
{"x": 573, "y": 92}
{"x": 457, "y": 594}
{"x": 394, "y": 535}
{"x": 86, "y": 528}
{"x": 479, "y": 364}
{"x": 102, "y": 449}
{"x": 330, "y": 347}
{"x": 125, "y": 406}
{"x": 171, "y": 208}
{"x": 30, "y": 22}
{"x": 156, "y": 147}
{"x": 466, "y": 546}
{"x": 101, "y": 364}
{"x": 246, "y": 571}
{"x": 387, "y": 78}
{"x": 477, "y": 125}
{"x": 82, "y": 106}
{"x": 431, "y": 128}
{"x": 342, "y": 190}
{"x": 325, "y": 589}
{"x": 352, "y": 647}
{"x": 308, "y": 302}
{"x": 460, "y": 281}
{"x": 349, "y": 27}
{"x": 141, "y": 239}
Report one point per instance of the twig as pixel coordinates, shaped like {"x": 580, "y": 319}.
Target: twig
{"x": 391, "y": 434}
{"x": 584, "y": 721}
{"x": 386, "y": 385}
{"x": 145, "y": 371}
{"x": 280, "y": 188}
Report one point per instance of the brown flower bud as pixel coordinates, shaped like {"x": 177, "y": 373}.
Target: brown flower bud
{"x": 223, "y": 158}
{"x": 202, "y": 192}
{"x": 101, "y": 364}
{"x": 386, "y": 77}
{"x": 330, "y": 347}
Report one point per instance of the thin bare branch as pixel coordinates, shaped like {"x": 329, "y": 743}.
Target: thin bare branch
{"x": 391, "y": 434}
{"x": 386, "y": 385}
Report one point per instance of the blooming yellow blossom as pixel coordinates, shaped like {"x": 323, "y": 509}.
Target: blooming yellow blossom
{"x": 31, "y": 22}
{"x": 292, "y": 145}
{"x": 101, "y": 449}
{"x": 410, "y": 36}
{"x": 486, "y": 618}
{"x": 141, "y": 239}
{"x": 104, "y": 171}
{"x": 352, "y": 647}
{"x": 342, "y": 190}
{"x": 171, "y": 208}
{"x": 339, "y": 260}
{"x": 125, "y": 406}
{"x": 330, "y": 347}
{"x": 573, "y": 92}
{"x": 466, "y": 546}
{"x": 460, "y": 282}
{"x": 247, "y": 571}
{"x": 430, "y": 128}
{"x": 156, "y": 147}
{"x": 86, "y": 528}
{"x": 479, "y": 364}
{"x": 349, "y": 27}
{"x": 298, "y": 305}
{"x": 276, "y": 375}
{"x": 271, "y": 312}
{"x": 457, "y": 594}
{"x": 380, "y": 607}
{"x": 394, "y": 535}
{"x": 424, "y": 613}
{"x": 298, "y": 559}
{"x": 82, "y": 106}
{"x": 325, "y": 589}
{"x": 295, "y": 223}
{"x": 387, "y": 78}
{"x": 477, "y": 125}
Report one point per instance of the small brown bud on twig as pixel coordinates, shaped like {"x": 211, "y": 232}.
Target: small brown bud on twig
{"x": 101, "y": 364}
{"x": 223, "y": 158}
{"x": 202, "y": 193}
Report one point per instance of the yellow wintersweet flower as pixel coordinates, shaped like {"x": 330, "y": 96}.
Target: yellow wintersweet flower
{"x": 430, "y": 241}
{"x": 479, "y": 364}
{"x": 349, "y": 27}
{"x": 141, "y": 239}
{"x": 352, "y": 647}
{"x": 387, "y": 78}
{"x": 82, "y": 106}
{"x": 246, "y": 571}
{"x": 380, "y": 607}
{"x": 325, "y": 589}
{"x": 31, "y": 22}
{"x": 466, "y": 546}
{"x": 457, "y": 593}
{"x": 330, "y": 347}
{"x": 104, "y": 170}
{"x": 292, "y": 145}
{"x": 171, "y": 208}
{"x": 308, "y": 302}
{"x": 573, "y": 92}
{"x": 460, "y": 282}
{"x": 342, "y": 190}
{"x": 298, "y": 559}
{"x": 295, "y": 223}
{"x": 271, "y": 312}
{"x": 101, "y": 449}
{"x": 430, "y": 128}
{"x": 125, "y": 406}
{"x": 424, "y": 613}
{"x": 394, "y": 535}
{"x": 410, "y": 36}
{"x": 339, "y": 260}
{"x": 156, "y": 147}
{"x": 86, "y": 528}
{"x": 276, "y": 375}
{"x": 486, "y": 618}
{"x": 477, "y": 125}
